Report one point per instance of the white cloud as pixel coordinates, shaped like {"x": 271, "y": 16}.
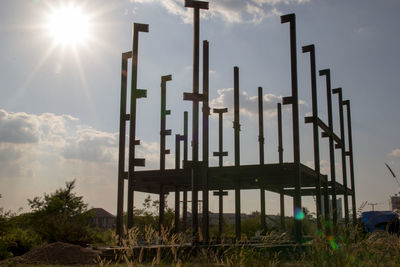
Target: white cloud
{"x": 248, "y": 104}
{"x": 38, "y": 153}
{"x": 18, "y": 128}
{"x": 231, "y": 11}
{"x": 395, "y": 153}
{"x": 92, "y": 145}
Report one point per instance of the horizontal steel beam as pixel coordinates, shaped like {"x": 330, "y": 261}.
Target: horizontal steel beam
{"x": 196, "y": 4}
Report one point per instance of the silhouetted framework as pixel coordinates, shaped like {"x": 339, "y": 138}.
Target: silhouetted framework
{"x": 292, "y": 179}
{"x": 220, "y": 154}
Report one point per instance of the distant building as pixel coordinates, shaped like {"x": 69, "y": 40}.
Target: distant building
{"x": 102, "y": 219}
{"x": 394, "y": 202}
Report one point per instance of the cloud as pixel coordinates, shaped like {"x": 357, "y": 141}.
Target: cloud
{"x": 324, "y": 166}
{"x": 248, "y": 104}
{"x": 395, "y": 153}
{"x": 18, "y": 128}
{"x": 230, "y": 11}
{"x": 60, "y": 136}
{"x": 38, "y": 153}
{"x": 92, "y": 145}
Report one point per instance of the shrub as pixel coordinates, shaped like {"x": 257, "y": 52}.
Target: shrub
{"x": 61, "y": 216}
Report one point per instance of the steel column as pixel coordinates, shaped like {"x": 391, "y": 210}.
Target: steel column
{"x": 161, "y": 216}
{"x": 163, "y": 133}
{"x": 280, "y": 151}
{"x": 280, "y": 147}
{"x": 163, "y": 115}
{"x": 220, "y": 154}
{"x": 311, "y": 49}
{"x": 236, "y": 127}
{"x": 196, "y": 5}
{"x": 327, "y": 73}
{"x": 122, "y": 133}
{"x": 135, "y": 93}
{"x": 178, "y": 139}
{"x": 338, "y": 91}
{"x": 206, "y": 113}
{"x": 294, "y": 101}
{"x": 261, "y": 152}
{"x": 185, "y": 158}
{"x": 350, "y": 154}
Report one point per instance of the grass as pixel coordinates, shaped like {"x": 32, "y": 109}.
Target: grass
{"x": 349, "y": 247}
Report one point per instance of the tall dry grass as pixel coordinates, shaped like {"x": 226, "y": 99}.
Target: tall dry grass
{"x": 349, "y": 247}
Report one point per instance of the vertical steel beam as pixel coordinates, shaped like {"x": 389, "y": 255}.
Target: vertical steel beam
{"x": 297, "y": 207}
{"x": 280, "y": 151}
{"x": 282, "y": 204}
{"x": 135, "y": 93}
{"x": 338, "y": 91}
{"x": 163, "y": 133}
{"x": 311, "y": 49}
{"x": 163, "y": 115}
{"x": 122, "y": 133}
{"x": 236, "y": 127}
{"x": 261, "y": 152}
{"x": 161, "y": 216}
{"x": 196, "y": 5}
{"x": 206, "y": 113}
{"x": 327, "y": 74}
{"x": 280, "y": 146}
{"x": 185, "y": 158}
{"x": 220, "y": 154}
{"x": 178, "y": 139}
{"x": 350, "y": 154}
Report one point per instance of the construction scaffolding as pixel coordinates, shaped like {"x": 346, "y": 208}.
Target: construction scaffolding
{"x": 292, "y": 179}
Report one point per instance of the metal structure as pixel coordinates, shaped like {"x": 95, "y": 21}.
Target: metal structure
{"x": 291, "y": 179}
{"x": 220, "y": 154}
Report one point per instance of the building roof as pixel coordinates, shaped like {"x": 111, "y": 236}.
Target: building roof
{"x": 99, "y": 212}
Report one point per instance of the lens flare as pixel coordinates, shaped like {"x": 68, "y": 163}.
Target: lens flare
{"x": 298, "y": 214}
{"x": 333, "y": 243}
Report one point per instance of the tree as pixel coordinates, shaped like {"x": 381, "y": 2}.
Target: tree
{"x": 61, "y": 216}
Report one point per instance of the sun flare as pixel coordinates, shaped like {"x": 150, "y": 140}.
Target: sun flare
{"x": 68, "y": 25}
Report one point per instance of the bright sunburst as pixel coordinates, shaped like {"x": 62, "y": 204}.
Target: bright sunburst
{"x": 68, "y": 25}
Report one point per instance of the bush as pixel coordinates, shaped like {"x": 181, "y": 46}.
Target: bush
{"x": 62, "y": 216}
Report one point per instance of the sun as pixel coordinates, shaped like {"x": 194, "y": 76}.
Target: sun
{"x": 68, "y": 25}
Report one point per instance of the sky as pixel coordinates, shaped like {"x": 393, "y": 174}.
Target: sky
{"x": 59, "y": 102}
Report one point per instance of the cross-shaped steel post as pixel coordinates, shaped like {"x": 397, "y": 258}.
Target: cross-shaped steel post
{"x": 311, "y": 49}
{"x": 261, "y": 152}
{"x": 135, "y": 94}
{"x": 294, "y": 101}
{"x": 338, "y": 91}
{"x": 350, "y": 154}
{"x": 327, "y": 74}
{"x": 163, "y": 151}
{"x": 196, "y": 5}
{"x": 220, "y": 154}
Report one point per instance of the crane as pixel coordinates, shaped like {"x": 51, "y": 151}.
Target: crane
{"x": 393, "y": 174}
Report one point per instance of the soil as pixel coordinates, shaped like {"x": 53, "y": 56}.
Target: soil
{"x": 57, "y": 254}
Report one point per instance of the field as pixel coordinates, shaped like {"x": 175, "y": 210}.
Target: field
{"x": 350, "y": 247}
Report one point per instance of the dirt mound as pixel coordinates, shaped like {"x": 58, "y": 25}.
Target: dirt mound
{"x": 57, "y": 253}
